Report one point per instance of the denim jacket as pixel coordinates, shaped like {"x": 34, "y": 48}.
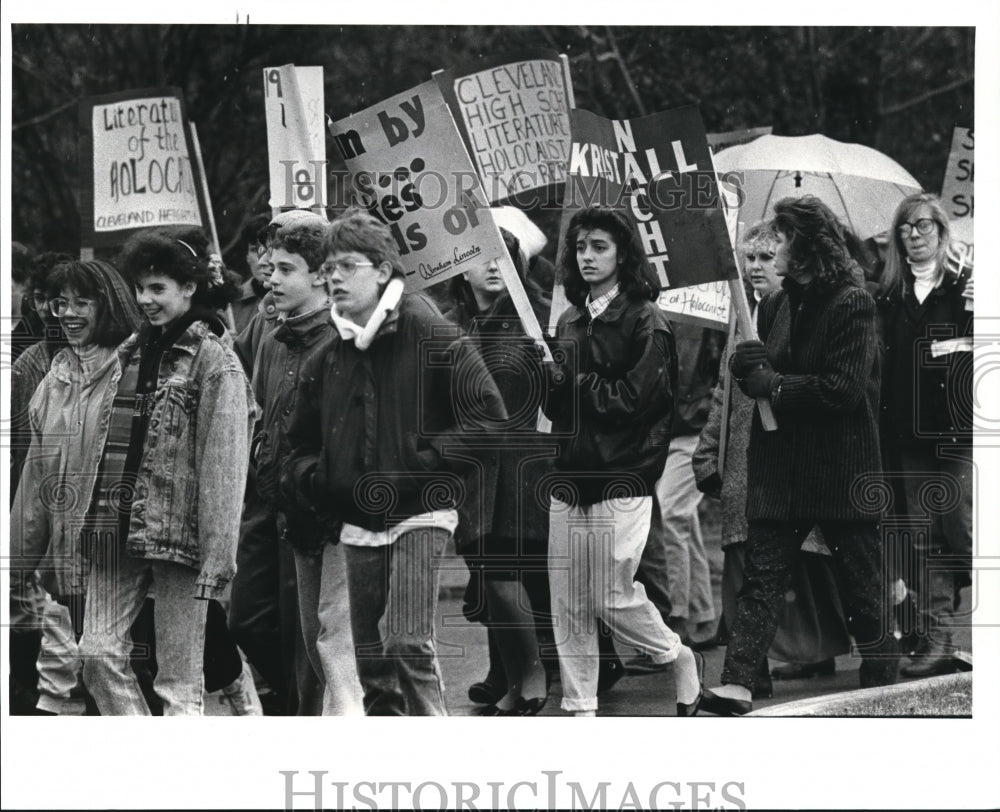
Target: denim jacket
{"x": 191, "y": 478}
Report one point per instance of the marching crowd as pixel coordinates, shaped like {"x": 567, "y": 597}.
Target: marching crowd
{"x": 248, "y": 487}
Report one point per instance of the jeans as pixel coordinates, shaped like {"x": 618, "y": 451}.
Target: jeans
{"x": 118, "y": 586}
{"x": 688, "y": 576}
{"x": 326, "y": 627}
{"x": 858, "y": 567}
{"x": 263, "y": 611}
{"x": 594, "y": 552}
{"x": 396, "y": 587}
{"x": 939, "y": 489}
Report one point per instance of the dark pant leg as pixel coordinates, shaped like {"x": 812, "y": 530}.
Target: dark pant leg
{"x": 858, "y": 567}
{"x": 770, "y": 549}
{"x": 368, "y": 590}
{"x": 254, "y": 609}
{"x": 223, "y": 663}
{"x": 652, "y": 572}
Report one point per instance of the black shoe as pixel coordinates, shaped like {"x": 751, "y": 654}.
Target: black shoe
{"x": 691, "y": 709}
{"x": 642, "y": 665}
{"x": 825, "y": 668}
{"x": 763, "y": 690}
{"x": 723, "y": 705}
{"x": 486, "y": 692}
{"x": 527, "y": 707}
{"x": 489, "y": 710}
{"x": 609, "y": 672}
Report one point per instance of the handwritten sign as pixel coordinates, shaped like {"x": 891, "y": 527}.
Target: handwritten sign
{"x": 296, "y": 141}
{"x": 411, "y": 171}
{"x": 957, "y": 190}
{"x": 136, "y": 166}
{"x": 658, "y": 168}
{"x": 513, "y": 113}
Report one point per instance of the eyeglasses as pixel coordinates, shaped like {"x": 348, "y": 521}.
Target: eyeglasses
{"x": 346, "y": 267}
{"x": 924, "y": 226}
{"x": 60, "y": 306}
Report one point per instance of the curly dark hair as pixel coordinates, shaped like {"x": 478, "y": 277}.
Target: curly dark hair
{"x": 636, "y": 279}
{"x": 819, "y": 244}
{"x": 305, "y": 239}
{"x": 181, "y": 254}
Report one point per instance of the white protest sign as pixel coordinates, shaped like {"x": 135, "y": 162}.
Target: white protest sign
{"x": 136, "y": 165}
{"x": 957, "y": 190}
{"x": 411, "y": 171}
{"x": 514, "y": 115}
{"x": 296, "y": 145}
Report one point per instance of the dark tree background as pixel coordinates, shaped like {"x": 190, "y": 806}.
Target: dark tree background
{"x": 899, "y": 90}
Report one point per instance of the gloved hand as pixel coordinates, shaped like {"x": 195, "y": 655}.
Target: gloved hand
{"x": 760, "y": 382}
{"x": 710, "y": 485}
{"x": 747, "y": 356}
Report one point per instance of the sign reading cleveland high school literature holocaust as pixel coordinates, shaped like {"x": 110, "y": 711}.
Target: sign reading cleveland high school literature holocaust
{"x": 411, "y": 171}
{"x": 135, "y": 165}
{"x": 513, "y": 113}
{"x": 658, "y": 168}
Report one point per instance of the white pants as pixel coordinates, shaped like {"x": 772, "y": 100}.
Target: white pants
{"x": 594, "y": 552}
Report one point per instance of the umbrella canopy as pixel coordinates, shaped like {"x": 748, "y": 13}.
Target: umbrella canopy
{"x": 861, "y": 185}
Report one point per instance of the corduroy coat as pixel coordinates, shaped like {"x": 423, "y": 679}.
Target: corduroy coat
{"x": 823, "y": 460}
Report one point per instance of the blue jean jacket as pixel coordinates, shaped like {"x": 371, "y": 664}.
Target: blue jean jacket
{"x": 192, "y": 475}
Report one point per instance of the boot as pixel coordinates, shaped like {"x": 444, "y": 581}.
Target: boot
{"x": 938, "y": 658}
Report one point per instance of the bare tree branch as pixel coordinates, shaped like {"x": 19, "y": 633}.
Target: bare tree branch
{"x": 629, "y": 84}
{"x": 31, "y": 122}
{"x": 930, "y": 94}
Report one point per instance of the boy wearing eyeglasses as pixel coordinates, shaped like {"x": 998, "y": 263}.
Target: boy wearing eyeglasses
{"x": 381, "y": 445}
{"x": 299, "y": 292}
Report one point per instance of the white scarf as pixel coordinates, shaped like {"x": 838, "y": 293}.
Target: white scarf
{"x": 364, "y": 336}
{"x": 926, "y": 276}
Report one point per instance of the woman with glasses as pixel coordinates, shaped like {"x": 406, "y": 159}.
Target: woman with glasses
{"x": 927, "y": 323}
{"x": 64, "y": 502}
{"x": 181, "y": 444}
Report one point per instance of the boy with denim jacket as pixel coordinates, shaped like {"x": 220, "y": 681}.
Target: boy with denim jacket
{"x": 380, "y": 443}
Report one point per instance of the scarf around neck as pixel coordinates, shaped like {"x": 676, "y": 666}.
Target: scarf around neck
{"x": 364, "y": 336}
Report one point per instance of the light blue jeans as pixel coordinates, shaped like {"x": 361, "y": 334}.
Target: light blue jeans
{"x": 324, "y": 610}
{"x": 118, "y": 586}
{"x": 396, "y": 587}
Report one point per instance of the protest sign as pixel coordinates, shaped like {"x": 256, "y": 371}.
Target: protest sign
{"x": 135, "y": 165}
{"x": 957, "y": 189}
{"x": 296, "y": 142}
{"x": 513, "y": 113}
{"x": 410, "y": 170}
{"x": 659, "y": 169}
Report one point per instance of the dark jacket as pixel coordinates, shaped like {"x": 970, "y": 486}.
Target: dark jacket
{"x": 277, "y": 369}
{"x": 926, "y": 399}
{"x": 612, "y": 404}
{"x": 814, "y": 466}
{"x": 699, "y": 351}
{"x": 383, "y": 435}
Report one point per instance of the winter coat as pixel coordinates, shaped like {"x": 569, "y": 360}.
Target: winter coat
{"x": 826, "y": 447}
{"x": 282, "y": 355}
{"x": 25, "y": 376}
{"x": 611, "y": 403}
{"x": 698, "y": 352}
{"x": 69, "y": 415}
{"x": 191, "y": 477}
{"x": 927, "y": 367}
{"x": 247, "y": 343}
{"x": 387, "y": 433}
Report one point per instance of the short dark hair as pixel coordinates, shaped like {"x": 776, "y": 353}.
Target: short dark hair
{"x": 117, "y": 314}
{"x": 635, "y": 278}
{"x": 356, "y": 230}
{"x": 181, "y": 254}
{"x": 307, "y": 239}
{"x": 250, "y": 233}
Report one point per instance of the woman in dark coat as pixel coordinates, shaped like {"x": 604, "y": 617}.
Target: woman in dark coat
{"x": 818, "y": 365}
{"x": 926, "y": 409}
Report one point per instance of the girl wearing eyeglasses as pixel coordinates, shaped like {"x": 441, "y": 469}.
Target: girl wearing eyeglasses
{"x": 926, "y": 427}
{"x": 62, "y": 499}
{"x": 182, "y": 444}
